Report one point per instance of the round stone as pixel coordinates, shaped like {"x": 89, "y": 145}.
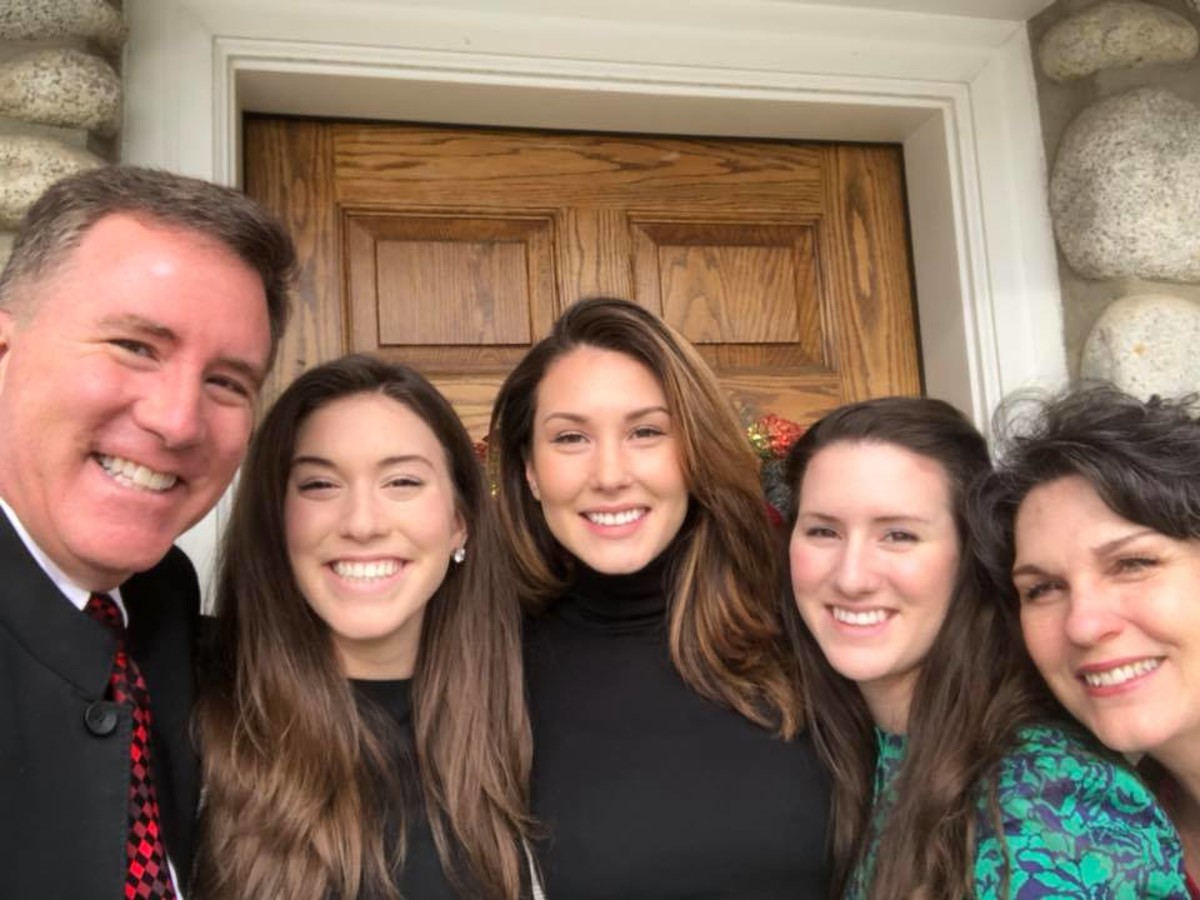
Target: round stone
{"x": 32, "y": 164}
{"x": 1146, "y": 344}
{"x": 40, "y": 20}
{"x": 1116, "y": 34}
{"x": 1125, "y": 190}
{"x": 68, "y": 88}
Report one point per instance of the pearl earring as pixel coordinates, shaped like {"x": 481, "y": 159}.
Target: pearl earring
{"x": 459, "y": 554}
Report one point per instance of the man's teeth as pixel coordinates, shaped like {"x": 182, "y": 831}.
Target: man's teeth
{"x": 624, "y": 517}
{"x": 866, "y": 617}
{"x": 136, "y": 475}
{"x": 1121, "y": 674}
{"x": 366, "y": 571}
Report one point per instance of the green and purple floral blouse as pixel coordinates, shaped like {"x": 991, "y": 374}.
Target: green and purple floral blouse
{"x": 1075, "y": 826}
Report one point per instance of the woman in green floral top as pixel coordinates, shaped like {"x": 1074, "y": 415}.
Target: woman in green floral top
{"x": 1093, "y": 514}
{"x": 954, "y": 773}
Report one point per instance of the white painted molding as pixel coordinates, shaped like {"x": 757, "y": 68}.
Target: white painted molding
{"x": 956, "y": 92}
{"x": 1021, "y": 283}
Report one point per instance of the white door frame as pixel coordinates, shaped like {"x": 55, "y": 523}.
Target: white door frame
{"x": 957, "y": 92}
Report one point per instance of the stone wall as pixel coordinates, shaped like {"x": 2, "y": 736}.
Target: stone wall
{"x": 60, "y": 96}
{"x": 1119, "y": 92}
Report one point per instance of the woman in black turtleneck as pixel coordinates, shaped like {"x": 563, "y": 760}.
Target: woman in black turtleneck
{"x": 670, "y": 758}
{"x": 363, "y": 732}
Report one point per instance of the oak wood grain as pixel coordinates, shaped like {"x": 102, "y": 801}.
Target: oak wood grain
{"x": 454, "y": 249}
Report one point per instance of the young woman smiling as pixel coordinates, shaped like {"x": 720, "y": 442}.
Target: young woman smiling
{"x": 667, "y": 719}
{"x": 364, "y": 734}
{"x": 1094, "y": 514}
{"x": 951, "y": 777}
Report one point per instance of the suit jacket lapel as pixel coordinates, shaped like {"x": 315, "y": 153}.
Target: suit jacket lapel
{"x": 49, "y": 625}
{"x": 163, "y": 606}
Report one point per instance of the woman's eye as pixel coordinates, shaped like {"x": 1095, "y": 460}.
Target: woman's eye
{"x": 1037, "y": 590}
{"x": 899, "y": 536}
{"x": 314, "y": 484}
{"x": 647, "y": 431}
{"x": 819, "y": 531}
{"x": 568, "y": 437}
{"x": 404, "y": 481}
{"x": 1133, "y": 564}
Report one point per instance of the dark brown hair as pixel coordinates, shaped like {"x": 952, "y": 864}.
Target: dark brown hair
{"x": 975, "y": 691}
{"x": 58, "y": 220}
{"x": 724, "y": 624}
{"x": 1141, "y": 457}
{"x": 294, "y": 770}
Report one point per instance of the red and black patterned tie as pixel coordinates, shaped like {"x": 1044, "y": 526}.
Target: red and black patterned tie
{"x": 148, "y": 873}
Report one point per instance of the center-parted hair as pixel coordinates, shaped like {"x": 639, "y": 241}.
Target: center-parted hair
{"x": 724, "y": 625}
{"x": 975, "y": 691}
{"x": 295, "y": 773}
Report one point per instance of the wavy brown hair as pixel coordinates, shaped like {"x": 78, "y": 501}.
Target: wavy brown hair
{"x": 297, "y": 773}
{"x": 725, "y": 632}
{"x": 1139, "y": 456}
{"x": 976, "y": 689}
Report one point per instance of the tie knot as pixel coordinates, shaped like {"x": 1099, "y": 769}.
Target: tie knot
{"x": 104, "y": 610}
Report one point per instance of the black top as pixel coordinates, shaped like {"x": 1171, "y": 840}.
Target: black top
{"x": 644, "y": 788}
{"x": 422, "y": 877}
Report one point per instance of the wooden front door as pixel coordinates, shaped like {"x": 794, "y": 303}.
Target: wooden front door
{"x": 454, "y": 249}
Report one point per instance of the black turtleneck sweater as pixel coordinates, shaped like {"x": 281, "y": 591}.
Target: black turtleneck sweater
{"x": 422, "y": 877}
{"x": 644, "y": 788}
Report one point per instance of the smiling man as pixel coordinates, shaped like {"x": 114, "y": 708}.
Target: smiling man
{"x": 139, "y": 314}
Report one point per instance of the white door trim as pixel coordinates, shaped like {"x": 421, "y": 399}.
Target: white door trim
{"x": 956, "y": 92}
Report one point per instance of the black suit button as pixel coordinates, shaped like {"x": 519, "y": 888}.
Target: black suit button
{"x": 100, "y": 718}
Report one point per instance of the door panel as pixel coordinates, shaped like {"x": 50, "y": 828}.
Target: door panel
{"x": 454, "y": 249}
{"x": 747, "y": 295}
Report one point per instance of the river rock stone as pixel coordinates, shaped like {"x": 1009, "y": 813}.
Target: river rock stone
{"x": 40, "y": 20}
{"x": 62, "y": 87}
{"x": 1125, "y": 190}
{"x": 1116, "y": 34}
{"x": 29, "y": 165}
{"x": 1146, "y": 344}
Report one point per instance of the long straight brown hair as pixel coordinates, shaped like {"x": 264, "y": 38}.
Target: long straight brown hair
{"x": 976, "y": 689}
{"x": 297, "y": 775}
{"x": 726, "y": 636}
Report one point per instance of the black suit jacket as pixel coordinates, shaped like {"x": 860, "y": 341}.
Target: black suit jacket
{"x": 64, "y": 750}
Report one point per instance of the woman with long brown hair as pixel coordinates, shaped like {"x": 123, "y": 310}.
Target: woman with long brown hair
{"x": 364, "y": 732}
{"x": 669, "y": 755}
{"x": 955, "y": 773}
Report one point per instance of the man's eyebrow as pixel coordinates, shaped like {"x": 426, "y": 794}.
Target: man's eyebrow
{"x": 142, "y": 324}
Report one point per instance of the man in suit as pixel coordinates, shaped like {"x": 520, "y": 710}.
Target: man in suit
{"x": 139, "y": 314}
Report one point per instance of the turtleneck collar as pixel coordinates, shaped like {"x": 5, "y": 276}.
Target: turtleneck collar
{"x": 393, "y": 696}
{"x": 629, "y": 602}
